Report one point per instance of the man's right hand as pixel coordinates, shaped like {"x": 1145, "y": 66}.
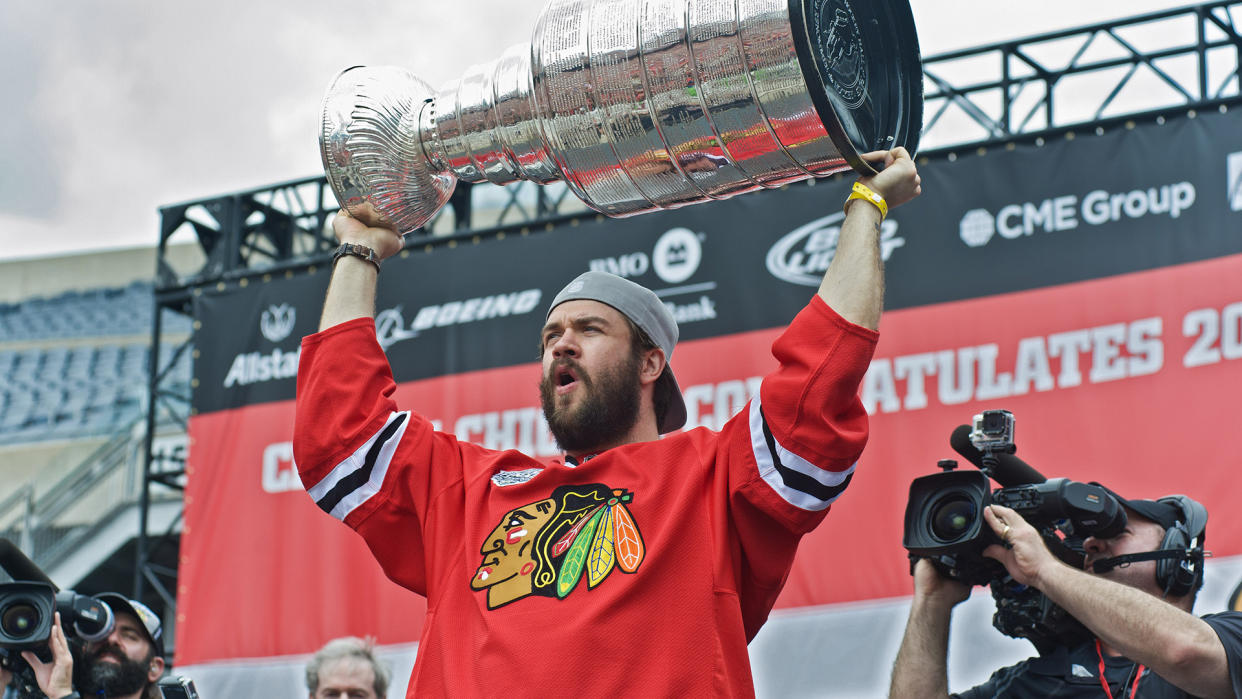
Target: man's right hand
{"x": 369, "y": 230}
{"x": 54, "y": 678}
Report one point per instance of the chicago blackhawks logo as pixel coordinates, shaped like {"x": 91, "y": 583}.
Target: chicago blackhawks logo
{"x": 545, "y": 547}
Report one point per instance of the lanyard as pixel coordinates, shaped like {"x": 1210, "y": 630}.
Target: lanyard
{"x": 1104, "y": 683}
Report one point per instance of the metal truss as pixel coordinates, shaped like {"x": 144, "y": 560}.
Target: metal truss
{"x": 1024, "y": 89}
{"x": 1175, "y": 60}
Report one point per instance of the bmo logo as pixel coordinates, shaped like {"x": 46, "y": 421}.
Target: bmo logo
{"x": 674, "y": 258}
{"x": 677, "y": 255}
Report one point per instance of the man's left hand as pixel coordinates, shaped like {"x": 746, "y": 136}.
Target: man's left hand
{"x": 1024, "y": 555}
{"x": 898, "y": 182}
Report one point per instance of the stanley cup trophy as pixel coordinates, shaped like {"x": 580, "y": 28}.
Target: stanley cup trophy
{"x": 637, "y": 105}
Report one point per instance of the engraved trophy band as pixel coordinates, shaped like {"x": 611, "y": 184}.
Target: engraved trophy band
{"x": 637, "y": 105}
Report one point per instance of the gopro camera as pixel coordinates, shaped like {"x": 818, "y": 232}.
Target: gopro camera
{"x": 993, "y": 431}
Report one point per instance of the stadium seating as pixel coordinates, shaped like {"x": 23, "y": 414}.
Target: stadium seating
{"x": 77, "y": 364}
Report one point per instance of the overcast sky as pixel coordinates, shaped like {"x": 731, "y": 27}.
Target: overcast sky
{"x": 113, "y": 109}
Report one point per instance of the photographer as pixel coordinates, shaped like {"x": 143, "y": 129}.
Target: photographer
{"x": 124, "y": 665}
{"x": 1147, "y": 643}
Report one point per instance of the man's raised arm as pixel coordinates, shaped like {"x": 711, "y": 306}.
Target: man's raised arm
{"x": 351, "y": 293}
{"x": 853, "y": 285}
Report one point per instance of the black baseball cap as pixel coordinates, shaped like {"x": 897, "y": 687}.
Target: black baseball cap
{"x": 1168, "y": 511}
{"x": 149, "y": 620}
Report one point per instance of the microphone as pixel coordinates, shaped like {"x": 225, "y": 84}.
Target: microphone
{"x": 1009, "y": 469}
{"x": 19, "y": 567}
{"x": 1106, "y": 564}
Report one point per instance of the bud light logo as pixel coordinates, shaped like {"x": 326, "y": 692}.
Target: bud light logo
{"x": 802, "y": 255}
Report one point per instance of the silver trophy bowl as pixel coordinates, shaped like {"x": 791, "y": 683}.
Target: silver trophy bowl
{"x": 637, "y": 105}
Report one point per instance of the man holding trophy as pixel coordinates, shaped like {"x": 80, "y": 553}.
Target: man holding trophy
{"x": 644, "y": 561}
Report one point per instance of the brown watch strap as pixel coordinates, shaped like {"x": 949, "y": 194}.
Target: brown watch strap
{"x": 356, "y": 250}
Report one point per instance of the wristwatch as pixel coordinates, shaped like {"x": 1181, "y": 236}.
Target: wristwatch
{"x": 356, "y": 250}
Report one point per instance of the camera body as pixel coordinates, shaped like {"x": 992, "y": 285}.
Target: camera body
{"x": 944, "y": 519}
{"x": 27, "y": 609}
{"x": 944, "y": 523}
{"x": 177, "y": 687}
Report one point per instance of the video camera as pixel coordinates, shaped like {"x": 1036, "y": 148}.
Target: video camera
{"x": 944, "y": 523}
{"x": 27, "y": 609}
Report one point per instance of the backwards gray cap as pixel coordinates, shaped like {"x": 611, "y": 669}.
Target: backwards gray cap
{"x": 648, "y": 312}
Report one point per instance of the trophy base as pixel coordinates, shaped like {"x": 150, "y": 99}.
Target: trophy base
{"x": 861, "y": 64}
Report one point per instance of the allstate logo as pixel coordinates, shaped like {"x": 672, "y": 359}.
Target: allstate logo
{"x": 802, "y": 255}
{"x": 277, "y": 322}
{"x": 677, "y": 255}
{"x": 976, "y": 227}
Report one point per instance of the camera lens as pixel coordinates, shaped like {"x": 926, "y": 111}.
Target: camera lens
{"x": 952, "y": 516}
{"x": 19, "y": 620}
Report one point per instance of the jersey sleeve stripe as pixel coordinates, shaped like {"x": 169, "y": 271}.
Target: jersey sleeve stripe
{"x": 360, "y": 475}
{"x": 798, "y": 481}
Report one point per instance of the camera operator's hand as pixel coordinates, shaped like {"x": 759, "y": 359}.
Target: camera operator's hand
{"x": 932, "y": 586}
{"x": 1025, "y": 555}
{"x": 54, "y": 678}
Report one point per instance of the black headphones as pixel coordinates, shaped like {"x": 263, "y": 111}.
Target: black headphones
{"x": 1182, "y": 574}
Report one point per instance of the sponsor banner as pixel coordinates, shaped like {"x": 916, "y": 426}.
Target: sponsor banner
{"x": 1127, "y": 381}
{"x": 1004, "y": 221}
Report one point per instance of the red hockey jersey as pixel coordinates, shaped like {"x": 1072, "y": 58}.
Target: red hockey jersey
{"x": 643, "y": 571}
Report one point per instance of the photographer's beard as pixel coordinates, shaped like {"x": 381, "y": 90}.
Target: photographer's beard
{"x": 97, "y": 677}
{"x": 606, "y": 411}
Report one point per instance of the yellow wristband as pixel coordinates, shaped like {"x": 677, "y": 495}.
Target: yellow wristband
{"x": 862, "y": 191}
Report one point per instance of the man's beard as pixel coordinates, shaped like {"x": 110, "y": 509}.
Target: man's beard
{"x": 110, "y": 680}
{"x": 606, "y": 411}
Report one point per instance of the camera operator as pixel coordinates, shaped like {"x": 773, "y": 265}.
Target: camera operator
{"x": 125, "y": 665}
{"x": 1147, "y": 644}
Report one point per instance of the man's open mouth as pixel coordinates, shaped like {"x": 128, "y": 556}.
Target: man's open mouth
{"x": 564, "y": 377}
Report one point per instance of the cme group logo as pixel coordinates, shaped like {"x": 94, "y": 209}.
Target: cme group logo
{"x": 977, "y": 227}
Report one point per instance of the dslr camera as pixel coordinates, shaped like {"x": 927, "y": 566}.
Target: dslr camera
{"x": 944, "y": 523}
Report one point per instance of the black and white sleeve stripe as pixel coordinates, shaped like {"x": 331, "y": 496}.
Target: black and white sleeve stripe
{"x": 798, "y": 481}
{"x": 361, "y": 474}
